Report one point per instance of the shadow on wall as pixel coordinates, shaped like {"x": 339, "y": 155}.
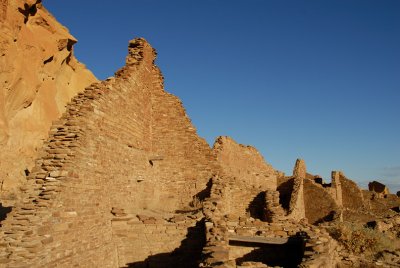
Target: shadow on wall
{"x": 286, "y": 255}
{"x": 256, "y": 206}
{"x": 285, "y": 191}
{"x": 3, "y": 212}
{"x": 188, "y": 254}
{"x": 197, "y": 202}
{"x": 205, "y": 193}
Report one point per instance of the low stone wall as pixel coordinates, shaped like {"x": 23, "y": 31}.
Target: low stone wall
{"x": 319, "y": 251}
{"x": 157, "y": 242}
{"x": 251, "y": 198}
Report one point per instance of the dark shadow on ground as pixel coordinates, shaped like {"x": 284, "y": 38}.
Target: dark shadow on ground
{"x": 188, "y": 254}
{"x": 289, "y": 254}
{"x": 330, "y": 217}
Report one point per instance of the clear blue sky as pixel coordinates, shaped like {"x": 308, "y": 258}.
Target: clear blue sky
{"x": 319, "y": 80}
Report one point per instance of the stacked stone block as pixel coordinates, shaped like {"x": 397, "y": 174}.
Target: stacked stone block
{"x": 273, "y": 210}
{"x": 96, "y": 165}
{"x": 220, "y": 226}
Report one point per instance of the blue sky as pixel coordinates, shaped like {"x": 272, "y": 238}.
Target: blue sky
{"x": 319, "y": 80}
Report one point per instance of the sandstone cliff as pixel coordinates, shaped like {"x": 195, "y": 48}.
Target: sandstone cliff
{"x": 39, "y": 75}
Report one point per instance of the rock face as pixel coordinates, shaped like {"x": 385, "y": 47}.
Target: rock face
{"x": 39, "y": 75}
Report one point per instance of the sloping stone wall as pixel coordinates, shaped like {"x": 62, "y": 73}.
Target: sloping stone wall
{"x": 319, "y": 204}
{"x": 249, "y": 177}
{"x": 122, "y": 143}
{"x": 352, "y": 196}
{"x": 246, "y": 162}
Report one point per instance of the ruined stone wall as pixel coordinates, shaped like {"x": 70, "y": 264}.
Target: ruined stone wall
{"x": 250, "y": 197}
{"x": 296, "y": 204}
{"x": 157, "y": 242}
{"x": 320, "y": 249}
{"x": 285, "y": 188}
{"x": 319, "y": 204}
{"x": 250, "y": 176}
{"x": 187, "y": 162}
{"x": 352, "y": 196}
{"x": 123, "y": 143}
{"x": 244, "y": 162}
{"x": 336, "y": 190}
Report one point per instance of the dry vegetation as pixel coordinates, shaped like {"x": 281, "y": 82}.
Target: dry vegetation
{"x": 359, "y": 239}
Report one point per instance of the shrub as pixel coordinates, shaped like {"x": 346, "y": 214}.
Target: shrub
{"x": 359, "y": 239}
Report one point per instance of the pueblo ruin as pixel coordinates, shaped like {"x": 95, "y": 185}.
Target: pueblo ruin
{"x": 118, "y": 177}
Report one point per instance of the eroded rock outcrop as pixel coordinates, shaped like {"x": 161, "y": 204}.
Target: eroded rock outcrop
{"x": 39, "y": 75}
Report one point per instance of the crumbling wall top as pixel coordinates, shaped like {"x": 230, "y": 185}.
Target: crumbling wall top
{"x": 300, "y": 170}
{"x": 138, "y": 50}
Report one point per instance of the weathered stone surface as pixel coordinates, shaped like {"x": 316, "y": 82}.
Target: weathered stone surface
{"x": 243, "y": 161}
{"x": 105, "y": 174}
{"x": 39, "y": 75}
{"x": 124, "y": 180}
{"x": 300, "y": 170}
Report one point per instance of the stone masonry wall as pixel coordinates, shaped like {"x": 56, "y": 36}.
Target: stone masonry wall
{"x": 122, "y": 143}
{"x": 319, "y": 204}
{"x": 296, "y": 205}
{"x": 245, "y": 162}
{"x": 320, "y": 249}
{"x": 352, "y": 196}
{"x": 250, "y": 176}
{"x": 157, "y": 242}
{"x": 336, "y": 191}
